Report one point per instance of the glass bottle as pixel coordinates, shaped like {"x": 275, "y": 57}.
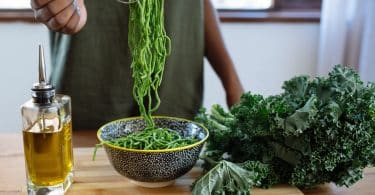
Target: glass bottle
{"x": 47, "y": 138}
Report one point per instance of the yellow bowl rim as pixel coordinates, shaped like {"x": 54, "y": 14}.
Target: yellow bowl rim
{"x": 153, "y": 151}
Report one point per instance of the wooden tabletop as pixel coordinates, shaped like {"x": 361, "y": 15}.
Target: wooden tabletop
{"x": 99, "y": 177}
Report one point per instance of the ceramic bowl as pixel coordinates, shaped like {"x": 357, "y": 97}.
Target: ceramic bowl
{"x": 153, "y": 168}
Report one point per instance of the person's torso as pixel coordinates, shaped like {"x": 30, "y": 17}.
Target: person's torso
{"x": 97, "y": 72}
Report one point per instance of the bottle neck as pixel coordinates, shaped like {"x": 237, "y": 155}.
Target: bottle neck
{"x": 43, "y": 96}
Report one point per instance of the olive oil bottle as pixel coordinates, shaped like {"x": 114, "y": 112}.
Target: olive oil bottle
{"x": 47, "y": 138}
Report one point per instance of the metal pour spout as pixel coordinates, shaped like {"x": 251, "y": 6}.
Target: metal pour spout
{"x": 42, "y": 66}
{"x": 42, "y": 92}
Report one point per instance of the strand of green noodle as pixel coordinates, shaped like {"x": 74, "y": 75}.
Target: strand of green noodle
{"x": 149, "y": 139}
{"x": 153, "y": 139}
{"x": 149, "y": 46}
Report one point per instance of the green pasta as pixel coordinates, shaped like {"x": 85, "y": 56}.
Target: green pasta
{"x": 150, "y": 139}
{"x": 153, "y": 139}
{"x": 149, "y": 46}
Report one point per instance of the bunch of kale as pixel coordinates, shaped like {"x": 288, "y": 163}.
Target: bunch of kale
{"x": 318, "y": 130}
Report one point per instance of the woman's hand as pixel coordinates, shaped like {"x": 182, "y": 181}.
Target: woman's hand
{"x": 66, "y": 16}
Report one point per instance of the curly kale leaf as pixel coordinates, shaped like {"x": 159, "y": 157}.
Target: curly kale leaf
{"x": 301, "y": 119}
{"x": 255, "y": 115}
{"x": 230, "y": 178}
{"x": 217, "y": 123}
{"x": 263, "y": 174}
{"x": 224, "y": 178}
{"x": 318, "y": 130}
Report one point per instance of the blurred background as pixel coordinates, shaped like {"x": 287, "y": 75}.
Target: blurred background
{"x": 270, "y": 41}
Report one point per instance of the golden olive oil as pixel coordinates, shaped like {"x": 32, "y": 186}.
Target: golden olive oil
{"x": 47, "y": 137}
{"x": 49, "y": 155}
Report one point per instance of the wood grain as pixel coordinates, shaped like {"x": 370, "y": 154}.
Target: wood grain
{"x": 289, "y": 16}
{"x": 98, "y": 177}
{"x": 27, "y": 15}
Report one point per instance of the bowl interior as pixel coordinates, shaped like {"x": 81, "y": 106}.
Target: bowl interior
{"x": 123, "y": 127}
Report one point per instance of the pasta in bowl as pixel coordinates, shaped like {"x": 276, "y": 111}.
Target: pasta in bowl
{"x": 167, "y": 152}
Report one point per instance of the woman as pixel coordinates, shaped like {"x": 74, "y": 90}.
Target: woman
{"x": 92, "y": 65}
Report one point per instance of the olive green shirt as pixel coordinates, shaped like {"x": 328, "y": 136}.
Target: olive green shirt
{"x": 93, "y": 66}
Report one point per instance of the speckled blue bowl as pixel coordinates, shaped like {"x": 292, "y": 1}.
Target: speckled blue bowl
{"x": 153, "y": 168}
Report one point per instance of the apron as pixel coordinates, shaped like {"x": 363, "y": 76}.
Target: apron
{"x": 93, "y": 66}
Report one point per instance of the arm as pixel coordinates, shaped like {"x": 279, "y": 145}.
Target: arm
{"x": 218, "y": 55}
{"x": 66, "y": 16}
